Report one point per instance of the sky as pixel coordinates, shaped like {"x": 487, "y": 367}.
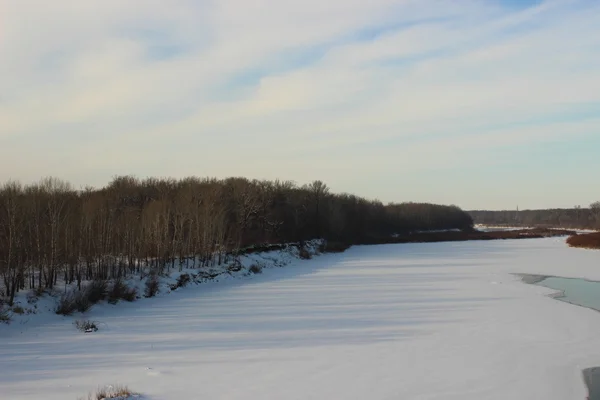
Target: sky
{"x": 486, "y": 104}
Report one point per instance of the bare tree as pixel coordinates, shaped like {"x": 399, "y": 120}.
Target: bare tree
{"x": 11, "y": 238}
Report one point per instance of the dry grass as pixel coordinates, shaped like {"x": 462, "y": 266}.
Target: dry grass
{"x": 114, "y": 392}
{"x": 585, "y": 241}
{"x": 86, "y": 326}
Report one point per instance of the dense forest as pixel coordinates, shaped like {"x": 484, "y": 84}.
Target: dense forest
{"x": 50, "y": 232}
{"x": 577, "y": 217}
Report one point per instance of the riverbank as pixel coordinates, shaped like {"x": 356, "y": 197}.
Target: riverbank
{"x": 460, "y": 236}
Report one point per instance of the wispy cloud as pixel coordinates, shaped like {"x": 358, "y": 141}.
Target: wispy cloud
{"x": 289, "y": 89}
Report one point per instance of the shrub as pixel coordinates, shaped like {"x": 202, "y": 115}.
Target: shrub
{"x": 66, "y": 304}
{"x": 120, "y": 291}
{"x": 304, "y": 254}
{"x": 84, "y": 299}
{"x": 111, "y": 392}
{"x": 586, "y": 241}
{"x": 152, "y": 286}
{"x": 82, "y": 302}
{"x": 183, "y": 280}
{"x": 4, "y": 316}
{"x": 73, "y": 301}
{"x": 236, "y": 266}
{"x": 255, "y": 269}
{"x": 86, "y": 326}
{"x": 96, "y": 291}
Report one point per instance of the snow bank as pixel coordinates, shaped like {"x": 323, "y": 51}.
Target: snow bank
{"x": 487, "y": 228}
{"x": 38, "y": 310}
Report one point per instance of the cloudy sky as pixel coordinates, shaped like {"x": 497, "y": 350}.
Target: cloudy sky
{"x": 480, "y": 103}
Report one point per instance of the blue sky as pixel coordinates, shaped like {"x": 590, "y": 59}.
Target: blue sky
{"x": 479, "y": 103}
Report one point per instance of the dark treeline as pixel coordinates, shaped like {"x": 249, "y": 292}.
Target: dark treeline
{"x": 572, "y": 218}
{"x": 50, "y": 232}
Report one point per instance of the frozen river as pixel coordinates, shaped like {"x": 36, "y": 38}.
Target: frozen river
{"x": 412, "y": 321}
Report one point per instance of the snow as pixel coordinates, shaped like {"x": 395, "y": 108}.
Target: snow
{"x": 39, "y": 310}
{"x": 491, "y": 228}
{"x": 409, "y": 321}
{"x": 431, "y": 231}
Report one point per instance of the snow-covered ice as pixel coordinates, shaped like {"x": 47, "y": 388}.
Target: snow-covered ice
{"x": 409, "y": 321}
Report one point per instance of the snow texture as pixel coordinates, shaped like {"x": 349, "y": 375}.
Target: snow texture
{"x": 410, "y": 321}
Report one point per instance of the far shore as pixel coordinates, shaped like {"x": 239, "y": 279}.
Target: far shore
{"x": 466, "y": 235}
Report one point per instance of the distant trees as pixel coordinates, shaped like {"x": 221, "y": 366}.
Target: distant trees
{"x": 576, "y": 217}
{"x": 595, "y": 207}
{"x": 50, "y": 232}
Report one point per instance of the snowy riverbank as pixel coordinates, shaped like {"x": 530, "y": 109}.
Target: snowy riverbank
{"x": 38, "y": 310}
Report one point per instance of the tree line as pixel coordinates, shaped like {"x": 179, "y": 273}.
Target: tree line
{"x": 570, "y": 218}
{"x": 50, "y": 232}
